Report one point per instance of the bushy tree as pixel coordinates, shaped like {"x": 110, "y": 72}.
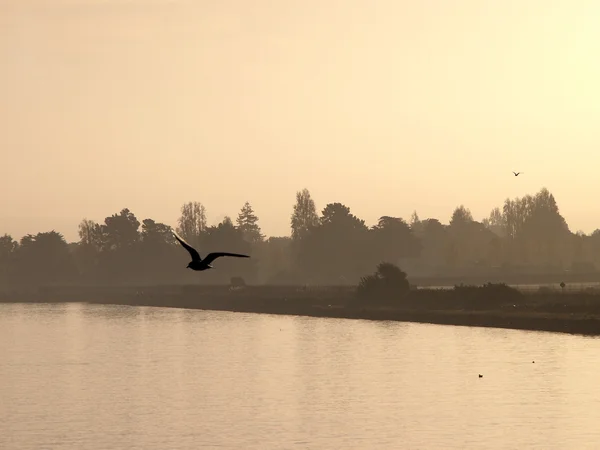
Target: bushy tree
{"x": 535, "y": 230}
{"x": 44, "y": 259}
{"x": 389, "y": 282}
{"x": 158, "y": 253}
{"x": 120, "y": 231}
{"x": 393, "y": 239}
{"x": 337, "y": 249}
{"x": 8, "y": 247}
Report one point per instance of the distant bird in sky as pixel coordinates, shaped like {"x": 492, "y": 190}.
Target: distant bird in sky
{"x": 516, "y": 174}
{"x": 198, "y": 263}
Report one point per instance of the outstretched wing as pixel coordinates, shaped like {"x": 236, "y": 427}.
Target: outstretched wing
{"x": 212, "y": 256}
{"x": 195, "y": 255}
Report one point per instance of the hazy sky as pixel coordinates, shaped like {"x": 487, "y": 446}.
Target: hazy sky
{"x": 384, "y": 105}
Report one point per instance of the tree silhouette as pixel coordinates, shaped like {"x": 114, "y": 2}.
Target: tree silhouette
{"x": 435, "y": 243}
{"x": 87, "y": 252}
{"x": 121, "y": 230}
{"x": 593, "y": 247}
{"x": 415, "y": 222}
{"x": 337, "y": 250}
{"x": 8, "y": 247}
{"x": 461, "y": 216}
{"x": 156, "y": 233}
{"x": 470, "y": 240}
{"x": 119, "y": 252}
{"x": 158, "y": 254}
{"x": 545, "y": 229}
{"x": 393, "y": 239}
{"x": 304, "y": 217}
{"x": 535, "y": 230}
{"x": 44, "y": 259}
{"x": 495, "y": 223}
{"x": 388, "y": 283}
{"x": 525, "y": 235}
{"x": 225, "y": 237}
{"x": 192, "y": 222}
{"x": 90, "y": 233}
{"x": 247, "y": 223}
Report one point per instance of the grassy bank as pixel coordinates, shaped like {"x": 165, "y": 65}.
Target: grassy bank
{"x": 569, "y": 312}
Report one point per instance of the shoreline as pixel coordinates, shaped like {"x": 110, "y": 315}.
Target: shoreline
{"x": 577, "y": 324}
{"x": 577, "y": 313}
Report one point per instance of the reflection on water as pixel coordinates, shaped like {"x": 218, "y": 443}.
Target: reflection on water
{"x": 76, "y": 376}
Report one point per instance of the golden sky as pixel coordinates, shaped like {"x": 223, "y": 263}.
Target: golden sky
{"x": 384, "y": 105}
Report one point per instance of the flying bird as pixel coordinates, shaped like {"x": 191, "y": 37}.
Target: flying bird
{"x": 198, "y": 263}
{"x": 516, "y": 174}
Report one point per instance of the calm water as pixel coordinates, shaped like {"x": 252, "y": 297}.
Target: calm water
{"x": 78, "y": 376}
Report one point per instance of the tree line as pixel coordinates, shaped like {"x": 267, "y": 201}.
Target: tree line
{"x": 525, "y": 235}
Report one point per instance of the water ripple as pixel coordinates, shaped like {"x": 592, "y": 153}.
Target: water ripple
{"x": 97, "y": 377}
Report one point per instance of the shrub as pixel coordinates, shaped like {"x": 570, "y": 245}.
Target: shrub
{"x": 487, "y": 295}
{"x": 388, "y": 282}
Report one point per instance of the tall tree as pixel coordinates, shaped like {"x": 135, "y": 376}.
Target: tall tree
{"x": 536, "y": 232}
{"x": 87, "y": 252}
{"x": 192, "y": 222}
{"x": 89, "y": 233}
{"x": 461, "y": 247}
{"x": 515, "y": 213}
{"x": 546, "y": 231}
{"x": 495, "y": 222}
{"x": 304, "y": 216}
{"x": 247, "y": 223}
{"x": 415, "y": 222}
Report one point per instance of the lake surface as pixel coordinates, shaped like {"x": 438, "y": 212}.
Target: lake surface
{"x": 77, "y": 376}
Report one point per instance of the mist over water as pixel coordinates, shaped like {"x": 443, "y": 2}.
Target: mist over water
{"x": 77, "y": 376}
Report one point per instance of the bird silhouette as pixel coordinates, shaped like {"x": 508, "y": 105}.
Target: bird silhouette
{"x": 516, "y": 174}
{"x": 198, "y": 263}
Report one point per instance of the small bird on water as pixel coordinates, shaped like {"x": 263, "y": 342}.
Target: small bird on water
{"x": 198, "y": 263}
